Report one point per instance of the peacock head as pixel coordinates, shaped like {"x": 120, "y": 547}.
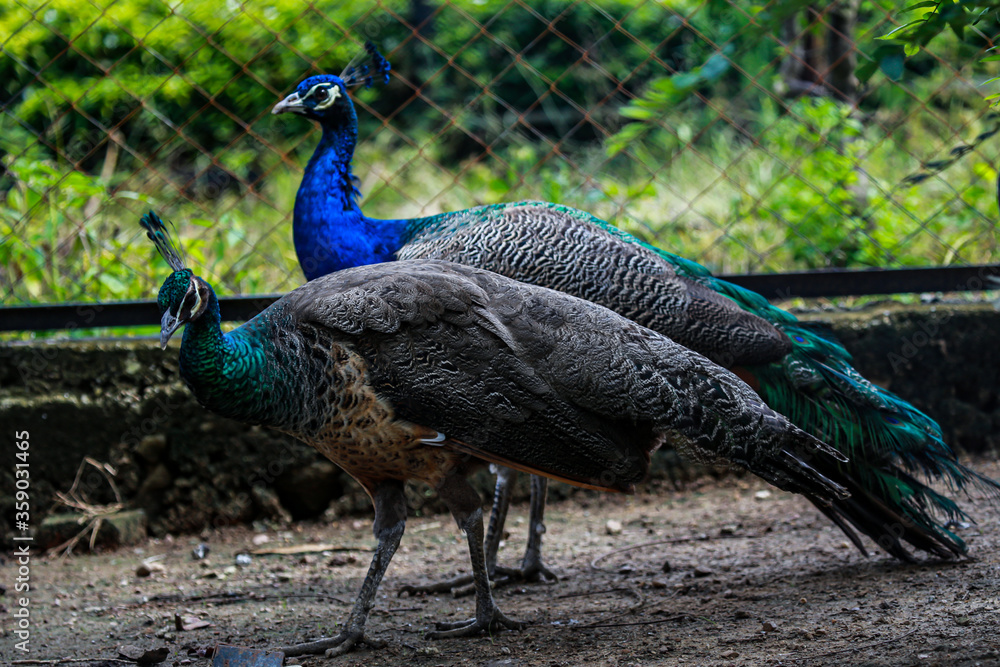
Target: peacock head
{"x": 184, "y": 297}
{"x": 324, "y": 97}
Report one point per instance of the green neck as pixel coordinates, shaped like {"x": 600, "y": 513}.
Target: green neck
{"x": 230, "y": 374}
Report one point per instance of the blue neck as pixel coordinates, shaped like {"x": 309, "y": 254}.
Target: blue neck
{"x": 330, "y": 231}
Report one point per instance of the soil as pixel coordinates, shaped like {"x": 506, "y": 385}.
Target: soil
{"x": 726, "y": 573}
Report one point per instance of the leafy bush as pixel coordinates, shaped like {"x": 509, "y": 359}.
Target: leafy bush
{"x": 115, "y": 107}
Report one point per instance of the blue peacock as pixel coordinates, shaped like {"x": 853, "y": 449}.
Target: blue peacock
{"x": 799, "y": 368}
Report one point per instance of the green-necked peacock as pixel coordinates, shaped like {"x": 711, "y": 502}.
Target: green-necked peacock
{"x": 425, "y": 369}
{"x": 800, "y": 369}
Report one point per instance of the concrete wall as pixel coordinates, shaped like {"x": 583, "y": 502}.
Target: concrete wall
{"x": 121, "y": 402}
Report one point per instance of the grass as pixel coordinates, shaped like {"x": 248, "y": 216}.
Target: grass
{"x": 819, "y": 188}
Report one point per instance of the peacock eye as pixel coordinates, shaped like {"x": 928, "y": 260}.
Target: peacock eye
{"x": 321, "y": 94}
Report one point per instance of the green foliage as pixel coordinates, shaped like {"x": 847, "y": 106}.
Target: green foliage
{"x": 514, "y": 103}
{"x": 816, "y": 197}
{"x": 973, "y": 25}
{"x": 50, "y": 264}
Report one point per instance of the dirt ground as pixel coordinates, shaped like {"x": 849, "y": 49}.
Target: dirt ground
{"x": 716, "y": 575}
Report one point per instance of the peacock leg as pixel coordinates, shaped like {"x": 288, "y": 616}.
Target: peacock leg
{"x": 464, "y": 504}
{"x": 390, "y": 520}
{"x": 464, "y": 584}
{"x": 498, "y": 515}
{"x": 532, "y": 568}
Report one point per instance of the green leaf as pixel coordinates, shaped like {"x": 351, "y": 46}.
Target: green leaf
{"x": 889, "y": 35}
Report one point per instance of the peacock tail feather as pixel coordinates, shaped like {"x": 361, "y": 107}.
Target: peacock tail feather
{"x": 887, "y": 439}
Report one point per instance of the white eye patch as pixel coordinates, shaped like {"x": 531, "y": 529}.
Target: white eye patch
{"x": 325, "y": 95}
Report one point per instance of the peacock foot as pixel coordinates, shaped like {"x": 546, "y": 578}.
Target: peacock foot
{"x": 488, "y": 622}
{"x": 532, "y": 571}
{"x": 343, "y": 643}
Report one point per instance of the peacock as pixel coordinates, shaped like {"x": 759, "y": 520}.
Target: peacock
{"x": 799, "y": 368}
{"x": 425, "y": 369}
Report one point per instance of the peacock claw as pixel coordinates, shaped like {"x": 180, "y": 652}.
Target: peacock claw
{"x": 332, "y": 647}
{"x": 495, "y": 621}
{"x": 463, "y": 586}
{"x": 533, "y": 572}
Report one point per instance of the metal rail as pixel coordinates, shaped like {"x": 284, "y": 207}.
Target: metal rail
{"x": 807, "y": 284}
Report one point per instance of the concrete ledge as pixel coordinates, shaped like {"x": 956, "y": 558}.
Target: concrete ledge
{"x": 122, "y": 402}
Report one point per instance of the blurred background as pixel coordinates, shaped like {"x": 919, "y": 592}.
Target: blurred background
{"x": 759, "y": 137}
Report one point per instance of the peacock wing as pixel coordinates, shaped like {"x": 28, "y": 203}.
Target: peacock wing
{"x": 518, "y": 373}
{"x": 576, "y": 253}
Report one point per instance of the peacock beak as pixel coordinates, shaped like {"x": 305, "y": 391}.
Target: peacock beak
{"x": 168, "y": 325}
{"x": 292, "y": 103}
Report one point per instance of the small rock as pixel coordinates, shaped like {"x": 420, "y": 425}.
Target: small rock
{"x": 702, "y": 571}
{"x": 742, "y": 613}
{"x": 613, "y": 527}
{"x": 428, "y": 651}
{"x": 658, "y": 583}
{"x": 200, "y": 551}
{"x": 667, "y": 567}
{"x": 729, "y": 655}
{"x": 505, "y": 650}
{"x": 763, "y": 494}
{"x": 260, "y": 539}
{"x": 803, "y": 601}
{"x": 768, "y": 626}
{"x": 243, "y": 559}
{"x": 146, "y": 569}
{"x": 962, "y": 620}
{"x": 144, "y": 656}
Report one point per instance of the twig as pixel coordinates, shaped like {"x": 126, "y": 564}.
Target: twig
{"x": 639, "y": 604}
{"x": 95, "y": 513}
{"x": 675, "y": 617}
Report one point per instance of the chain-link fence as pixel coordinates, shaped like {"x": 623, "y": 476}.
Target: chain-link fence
{"x": 756, "y": 138}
